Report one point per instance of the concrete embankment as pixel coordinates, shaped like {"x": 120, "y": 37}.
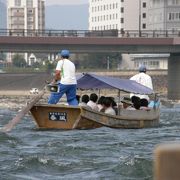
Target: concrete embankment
{"x": 20, "y": 84}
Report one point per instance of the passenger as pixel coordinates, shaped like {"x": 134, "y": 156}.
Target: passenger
{"x": 143, "y": 79}
{"x": 84, "y": 100}
{"x": 107, "y": 103}
{"x": 114, "y": 104}
{"x": 92, "y": 101}
{"x": 100, "y": 103}
{"x": 127, "y": 103}
{"x": 136, "y": 102}
{"x": 66, "y": 80}
{"x": 144, "y": 104}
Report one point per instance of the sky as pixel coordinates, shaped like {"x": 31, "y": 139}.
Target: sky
{"x": 62, "y": 2}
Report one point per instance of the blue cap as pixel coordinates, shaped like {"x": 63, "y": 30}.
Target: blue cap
{"x": 65, "y": 53}
{"x": 142, "y": 68}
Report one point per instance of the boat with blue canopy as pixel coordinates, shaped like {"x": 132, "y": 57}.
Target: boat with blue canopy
{"x": 68, "y": 117}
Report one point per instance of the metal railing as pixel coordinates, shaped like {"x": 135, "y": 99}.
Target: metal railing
{"x": 87, "y": 33}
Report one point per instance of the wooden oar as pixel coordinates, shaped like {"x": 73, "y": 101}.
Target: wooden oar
{"x": 8, "y": 127}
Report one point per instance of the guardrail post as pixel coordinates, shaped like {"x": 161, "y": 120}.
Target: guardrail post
{"x": 167, "y": 162}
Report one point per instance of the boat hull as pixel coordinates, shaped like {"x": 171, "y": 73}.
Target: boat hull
{"x": 60, "y": 117}
{"x": 69, "y": 117}
{"x": 126, "y": 119}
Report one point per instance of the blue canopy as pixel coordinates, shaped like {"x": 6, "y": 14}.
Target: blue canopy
{"x": 92, "y": 81}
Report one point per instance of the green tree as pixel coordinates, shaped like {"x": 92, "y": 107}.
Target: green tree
{"x": 100, "y": 61}
{"x": 18, "y": 61}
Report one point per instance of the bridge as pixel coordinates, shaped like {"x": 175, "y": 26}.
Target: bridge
{"x": 51, "y": 41}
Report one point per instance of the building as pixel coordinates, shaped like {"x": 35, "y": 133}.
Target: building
{"x": 151, "y": 61}
{"x": 129, "y": 15}
{"x": 118, "y": 14}
{"x": 164, "y": 15}
{"x": 3, "y": 14}
{"x": 24, "y": 18}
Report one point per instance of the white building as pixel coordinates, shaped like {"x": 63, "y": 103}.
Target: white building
{"x": 132, "y": 15}
{"x": 3, "y": 15}
{"x": 164, "y": 15}
{"x": 24, "y": 18}
{"x": 24, "y": 15}
{"x": 117, "y": 14}
{"x": 151, "y": 61}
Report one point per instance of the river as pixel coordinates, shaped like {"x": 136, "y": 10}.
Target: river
{"x": 123, "y": 154}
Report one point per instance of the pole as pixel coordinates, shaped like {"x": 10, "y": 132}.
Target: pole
{"x": 108, "y": 63}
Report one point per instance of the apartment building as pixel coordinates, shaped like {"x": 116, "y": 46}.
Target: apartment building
{"x": 118, "y": 14}
{"x": 3, "y": 17}
{"x": 164, "y": 15}
{"x": 25, "y": 16}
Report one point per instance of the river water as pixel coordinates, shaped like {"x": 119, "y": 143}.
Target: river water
{"x": 104, "y": 153}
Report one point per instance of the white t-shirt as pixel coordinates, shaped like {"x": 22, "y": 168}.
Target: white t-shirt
{"x": 143, "y": 79}
{"x": 110, "y": 111}
{"x": 93, "y": 105}
{"x": 67, "y": 69}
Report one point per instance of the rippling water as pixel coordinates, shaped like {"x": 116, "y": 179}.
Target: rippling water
{"x": 104, "y": 153}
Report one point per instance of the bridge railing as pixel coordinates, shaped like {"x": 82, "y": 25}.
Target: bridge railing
{"x": 88, "y": 33}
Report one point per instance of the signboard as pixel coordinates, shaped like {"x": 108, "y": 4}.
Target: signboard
{"x": 58, "y": 116}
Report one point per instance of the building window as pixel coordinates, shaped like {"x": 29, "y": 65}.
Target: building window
{"x": 17, "y": 2}
{"x": 29, "y": 3}
{"x": 122, "y": 10}
{"x": 122, "y": 20}
{"x": 144, "y": 15}
{"x": 144, "y": 5}
{"x": 144, "y": 26}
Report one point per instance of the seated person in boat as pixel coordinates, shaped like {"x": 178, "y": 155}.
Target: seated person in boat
{"x": 100, "y": 103}
{"x": 92, "y": 101}
{"x": 136, "y": 102}
{"x": 84, "y": 100}
{"x": 107, "y": 104}
{"x": 114, "y": 104}
{"x": 127, "y": 103}
{"x": 144, "y": 104}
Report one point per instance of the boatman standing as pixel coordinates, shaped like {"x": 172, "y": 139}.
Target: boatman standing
{"x": 143, "y": 79}
{"x": 66, "y": 79}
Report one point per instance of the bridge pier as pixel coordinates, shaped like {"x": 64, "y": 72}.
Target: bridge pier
{"x": 174, "y": 76}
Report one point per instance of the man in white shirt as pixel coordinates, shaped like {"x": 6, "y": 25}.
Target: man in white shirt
{"x": 143, "y": 79}
{"x": 92, "y": 101}
{"x": 66, "y": 79}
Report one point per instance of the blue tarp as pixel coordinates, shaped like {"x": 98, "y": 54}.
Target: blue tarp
{"x": 92, "y": 81}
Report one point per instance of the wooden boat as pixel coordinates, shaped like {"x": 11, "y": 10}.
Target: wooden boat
{"x": 69, "y": 117}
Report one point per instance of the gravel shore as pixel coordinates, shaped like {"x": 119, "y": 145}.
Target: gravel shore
{"x": 17, "y": 99}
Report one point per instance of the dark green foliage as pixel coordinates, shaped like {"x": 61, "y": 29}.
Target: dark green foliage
{"x": 19, "y": 61}
{"x": 100, "y": 61}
